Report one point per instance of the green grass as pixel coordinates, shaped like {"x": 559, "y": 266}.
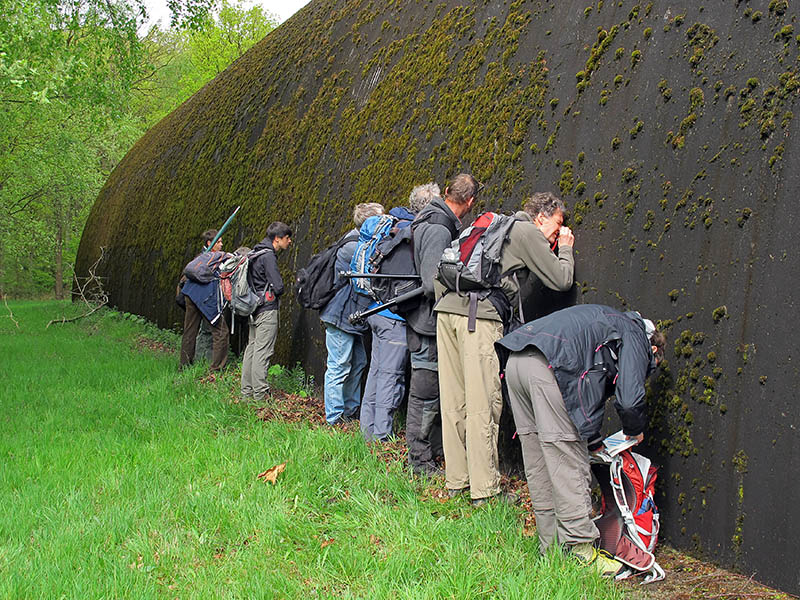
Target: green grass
{"x": 121, "y": 478}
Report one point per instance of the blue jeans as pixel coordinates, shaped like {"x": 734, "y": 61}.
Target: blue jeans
{"x": 386, "y": 383}
{"x": 345, "y": 367}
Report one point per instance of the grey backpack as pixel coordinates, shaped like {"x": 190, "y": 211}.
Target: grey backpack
{"x": 235, "y": 284}
{"x": 471, "y": 266}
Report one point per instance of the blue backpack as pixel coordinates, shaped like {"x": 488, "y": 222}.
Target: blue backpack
{"x": 373, "y": 231}
{"x": 372, "y": 246}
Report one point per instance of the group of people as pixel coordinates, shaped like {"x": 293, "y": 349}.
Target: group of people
{"x": 464, "y": 350}
{"x": 202, "y": 304}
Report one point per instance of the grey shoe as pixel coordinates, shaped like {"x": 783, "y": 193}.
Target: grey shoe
{"x": 453, "y": 493}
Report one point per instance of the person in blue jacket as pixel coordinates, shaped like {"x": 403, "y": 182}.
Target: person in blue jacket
{"x": 344, "y": 341}
{"x": 560, "y": 371}
{"x": 204, "y": 304}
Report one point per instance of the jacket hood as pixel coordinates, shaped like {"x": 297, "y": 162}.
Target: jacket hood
{"x": 439, "y": 205}
{"x": 402, "y": 213}
{"x": 639, "y": 321}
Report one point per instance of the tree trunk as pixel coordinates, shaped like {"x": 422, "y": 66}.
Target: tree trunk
{"x": 59, "y": 262}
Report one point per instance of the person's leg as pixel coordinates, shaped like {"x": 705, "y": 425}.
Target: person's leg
{"x": 423, "y": 410}
{"x": 352, "y": 385}
{"x": 336, "y": 369}
{"x": 266, "y": 333}
{"x": 339, "y": 345}
{"x": 484, "y": 403}
{"x": 422, "y": 413}
{"x": 391, "y": 371}
{"x": 219, "y": 336}
{"x": 247, "y": 361}
{"x": 204, "y": 347}
{"x": 191, "y": 323}
{"x": 368, "y": 402}
{"x": 522, "y": 379}
{"x": 566, "y": 458}
{"x": 453, "y": 404}
{"x": 568, "y": 465}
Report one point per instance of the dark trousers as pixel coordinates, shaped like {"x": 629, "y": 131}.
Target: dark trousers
{"x": 423, "y": 416}
{"x": 219, "y": 336}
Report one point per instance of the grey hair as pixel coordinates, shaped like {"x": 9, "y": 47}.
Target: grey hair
{"x": 422, "y": 195}
{"x": 364, "y": 211}
{"x": 544, "y": 203}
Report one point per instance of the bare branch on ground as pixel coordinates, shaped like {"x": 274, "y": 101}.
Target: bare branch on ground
{"x": 10, "y": 314}
{"x": 90, "y": 290}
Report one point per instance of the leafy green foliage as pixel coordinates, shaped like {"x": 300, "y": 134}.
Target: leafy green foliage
{"x": 292, "y": 381}
{"x": 78, "y": 86}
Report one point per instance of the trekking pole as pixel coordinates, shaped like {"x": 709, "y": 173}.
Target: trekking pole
{"x": 354, "y": 275}
{"x": 358, "y": 318}
{"x": 222, "y": 230}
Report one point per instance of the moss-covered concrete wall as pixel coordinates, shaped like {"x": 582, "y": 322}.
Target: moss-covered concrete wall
{"x": 668, "y": 128}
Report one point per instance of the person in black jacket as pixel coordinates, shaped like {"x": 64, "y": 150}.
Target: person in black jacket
{"x": 560, "y": 372}
{"x": 265, "y": 278}
{"x": 436, "y": 225}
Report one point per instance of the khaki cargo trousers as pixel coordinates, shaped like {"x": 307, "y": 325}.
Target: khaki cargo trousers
{"x": 260, "y": 348}
{"x": 471, "y": 402}
{"x": 556, "y": 458}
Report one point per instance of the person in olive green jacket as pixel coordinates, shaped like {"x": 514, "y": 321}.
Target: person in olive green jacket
{"x": 469, "y": 383}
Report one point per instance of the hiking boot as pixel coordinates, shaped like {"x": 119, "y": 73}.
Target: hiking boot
{"x": 598, "y": 560}
{"x": 457, "y": 492}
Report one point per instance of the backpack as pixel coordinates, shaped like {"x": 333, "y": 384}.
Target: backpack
{"x": 395, "y": 255}
{"x": 316, "y": 283}
{"x": 373, "y": 231}
{"x": 203, "y": 267}
{"x": 471, "y": 265}
{"x": 235, "y": 285}
{"x": 629, "y": 520}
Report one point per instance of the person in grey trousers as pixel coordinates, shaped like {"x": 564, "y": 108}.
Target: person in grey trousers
{"x": 266, "y": 280}
{"x": 560, "y": 371}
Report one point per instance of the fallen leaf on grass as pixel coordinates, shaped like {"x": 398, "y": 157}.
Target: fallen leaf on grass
{"x": 327, "y": 543}
{"x": 374, "y": 539}
{"x": 271, "y": 475}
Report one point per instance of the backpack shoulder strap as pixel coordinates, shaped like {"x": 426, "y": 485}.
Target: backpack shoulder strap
{"x": 437, "y": 218}
{"x": 256, "y": 253}
{"x": 347, "y": 238}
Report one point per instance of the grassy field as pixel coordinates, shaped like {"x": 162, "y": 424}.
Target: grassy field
{"x": 121, "y": 478}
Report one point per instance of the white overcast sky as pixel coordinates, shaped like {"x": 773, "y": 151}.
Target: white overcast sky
{"x": 283, "y": 9}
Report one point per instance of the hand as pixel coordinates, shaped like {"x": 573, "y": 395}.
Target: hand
{"x": 639, "y": 438}
{"x": 565, "y": 237}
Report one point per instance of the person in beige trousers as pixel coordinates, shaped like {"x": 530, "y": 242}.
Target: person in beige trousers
{"x": 469, "y": 383}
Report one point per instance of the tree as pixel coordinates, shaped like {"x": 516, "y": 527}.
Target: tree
{"x": 72, "y": 74}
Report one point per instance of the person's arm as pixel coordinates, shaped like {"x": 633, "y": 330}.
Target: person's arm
{"x": 530, "y": 245}
{"x": 430, "y": 240}
{"x": 343, "y": 257}
{"x": 634, "y": 360}
{"x": 271, "y": 272}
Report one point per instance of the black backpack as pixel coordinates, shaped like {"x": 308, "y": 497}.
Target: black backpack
{"x": 395, "y": 255}
{"x": 315, "y": 285}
